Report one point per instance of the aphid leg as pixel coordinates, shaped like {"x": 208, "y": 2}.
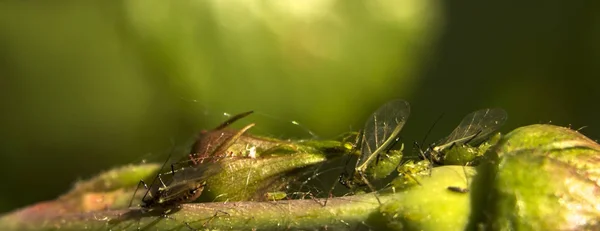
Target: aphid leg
{"x": 330, "y": 192}
{"x": 344, "y": 178}
{"x": 364, "y": 179}
{"x": 315, "y": 199}
{"x": 157, "y": 176}
{"x": 165, "y": 215}
{"x": 164, "y": 185}
{"x": 213, "y": 217}
{"x": 136, "y": 189}
{"x": 192, "y": 157}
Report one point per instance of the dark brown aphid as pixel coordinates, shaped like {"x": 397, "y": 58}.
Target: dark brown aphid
{"x": 458, "y": 189}
{"x": 178, "y": 194}
{"x": 174, "y": 194}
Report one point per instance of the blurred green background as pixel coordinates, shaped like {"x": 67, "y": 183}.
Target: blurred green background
{"x": 86, "y": 86}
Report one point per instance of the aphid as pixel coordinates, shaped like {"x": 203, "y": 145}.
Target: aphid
{"x": 167, "y": 192}
{"x": 409, "y": 173}
{"x": 474, "y": 129}
{"x": 458, "y": 189}
{"x": 275, "y": 196}
{"x": 175, "y": 193}
{"x": 185, "y": 186}
{"x": 380, "y": 133}
{"x": 164, "y": 196}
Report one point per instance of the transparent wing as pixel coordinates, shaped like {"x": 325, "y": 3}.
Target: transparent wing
{"x": 474, "y": 128}
{"x": 381, "y": 129}
{"x": 181, "y": 181}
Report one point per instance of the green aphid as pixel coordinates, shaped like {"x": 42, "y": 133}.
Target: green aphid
{"x": 376, "y": 160}
{"x": 386, "y": 165}
{"x": 275, "y": 196}
{"x": 467, "y": 140}
{"x": 466, "y": 154}
{"x": 410, "y": 172}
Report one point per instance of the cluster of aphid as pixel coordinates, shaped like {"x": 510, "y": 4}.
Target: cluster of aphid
{"x": 464, "y": 145}
{"x": 186, "y": 179}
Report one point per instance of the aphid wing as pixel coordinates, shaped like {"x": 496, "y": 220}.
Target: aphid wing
{"x": 186, "y": 179}
{"x": 480, "y": 123}
{"x": 381, "y": 129}
{"x": 490, "y": 122}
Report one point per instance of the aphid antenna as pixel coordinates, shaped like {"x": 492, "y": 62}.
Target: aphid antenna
{"x": 294, "y": 122}
{"x": 427, "y": 153}
{"x": 430, "y": 160}
{"x": 418, "y": 146}
{"x": 431, "y": 128}
{"x": 371, "y": 187}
